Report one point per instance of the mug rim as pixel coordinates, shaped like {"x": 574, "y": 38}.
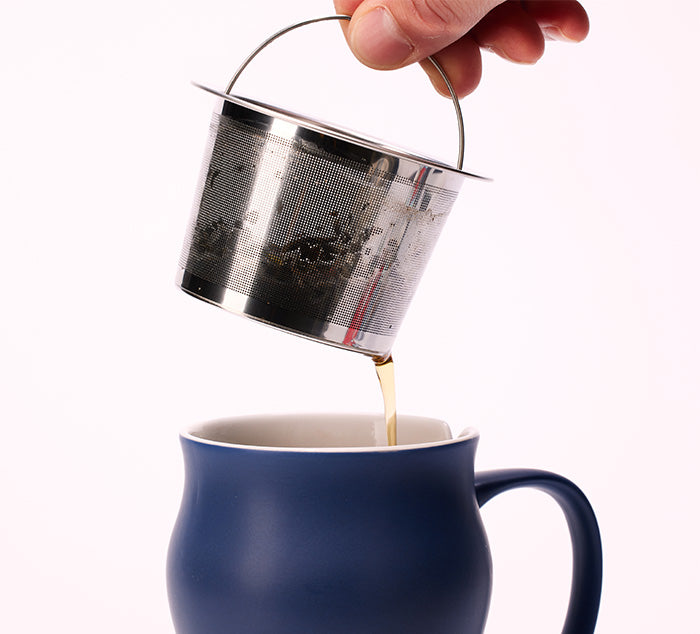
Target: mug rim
{"x": 190, "y": 433}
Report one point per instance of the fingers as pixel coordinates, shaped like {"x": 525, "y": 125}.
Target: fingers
{"x": 388, "y": 34}
{"x": 461, "y": 62}
{"x": 511, "y": 33}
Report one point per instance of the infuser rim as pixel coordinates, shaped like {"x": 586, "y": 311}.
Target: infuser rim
{"x": 336, "y": 131}
{"x": 190, "y": 433}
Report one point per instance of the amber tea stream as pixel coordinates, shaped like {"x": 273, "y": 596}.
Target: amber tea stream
{"x": 385, "y": 372}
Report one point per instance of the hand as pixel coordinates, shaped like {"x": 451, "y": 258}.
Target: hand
{"x": 387, "y": 34}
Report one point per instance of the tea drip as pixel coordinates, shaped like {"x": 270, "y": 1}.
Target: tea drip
{"x": 387, "y": 382}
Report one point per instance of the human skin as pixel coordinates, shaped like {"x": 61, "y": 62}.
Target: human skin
{"x": 389, "y": 34}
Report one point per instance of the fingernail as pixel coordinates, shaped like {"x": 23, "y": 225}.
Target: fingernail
{"x": 555, "y": 33}
{"x": 378, "y": 41}
{"x": 504, "y": 55}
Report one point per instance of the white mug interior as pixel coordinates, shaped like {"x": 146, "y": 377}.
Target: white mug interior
{"x": 323, "y": 432}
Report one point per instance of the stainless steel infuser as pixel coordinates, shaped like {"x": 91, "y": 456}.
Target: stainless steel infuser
{"x": 310, "y": 228}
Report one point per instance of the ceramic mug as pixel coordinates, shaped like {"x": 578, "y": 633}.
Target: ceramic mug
{"x": 307, "y": 524}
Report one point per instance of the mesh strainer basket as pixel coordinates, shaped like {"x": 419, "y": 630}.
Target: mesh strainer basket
{"x": 310, "y": 228}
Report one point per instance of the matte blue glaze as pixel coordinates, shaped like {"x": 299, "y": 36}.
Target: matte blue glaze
{"x": 286, "y": 542}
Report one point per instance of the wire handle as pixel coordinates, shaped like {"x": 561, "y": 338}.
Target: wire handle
{"x": 433, "y": 61}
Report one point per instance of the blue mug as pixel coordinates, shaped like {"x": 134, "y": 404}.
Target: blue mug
{"x": 306, "y": 524}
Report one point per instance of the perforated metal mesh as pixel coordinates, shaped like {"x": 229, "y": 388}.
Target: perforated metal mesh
{"x": 286, "y": 221}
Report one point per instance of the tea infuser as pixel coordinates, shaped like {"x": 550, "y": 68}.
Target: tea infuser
{"x": 311, "y": 228}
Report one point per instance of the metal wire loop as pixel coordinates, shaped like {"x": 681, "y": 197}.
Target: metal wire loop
{"x": 433, "y": 61}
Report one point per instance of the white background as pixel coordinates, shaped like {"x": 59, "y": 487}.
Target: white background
{"x": 559, "y": 314}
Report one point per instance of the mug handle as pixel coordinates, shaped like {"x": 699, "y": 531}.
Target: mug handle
{"x": 587, "y": 573}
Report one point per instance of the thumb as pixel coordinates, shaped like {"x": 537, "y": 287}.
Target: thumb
{"x": 388, "y": 34}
